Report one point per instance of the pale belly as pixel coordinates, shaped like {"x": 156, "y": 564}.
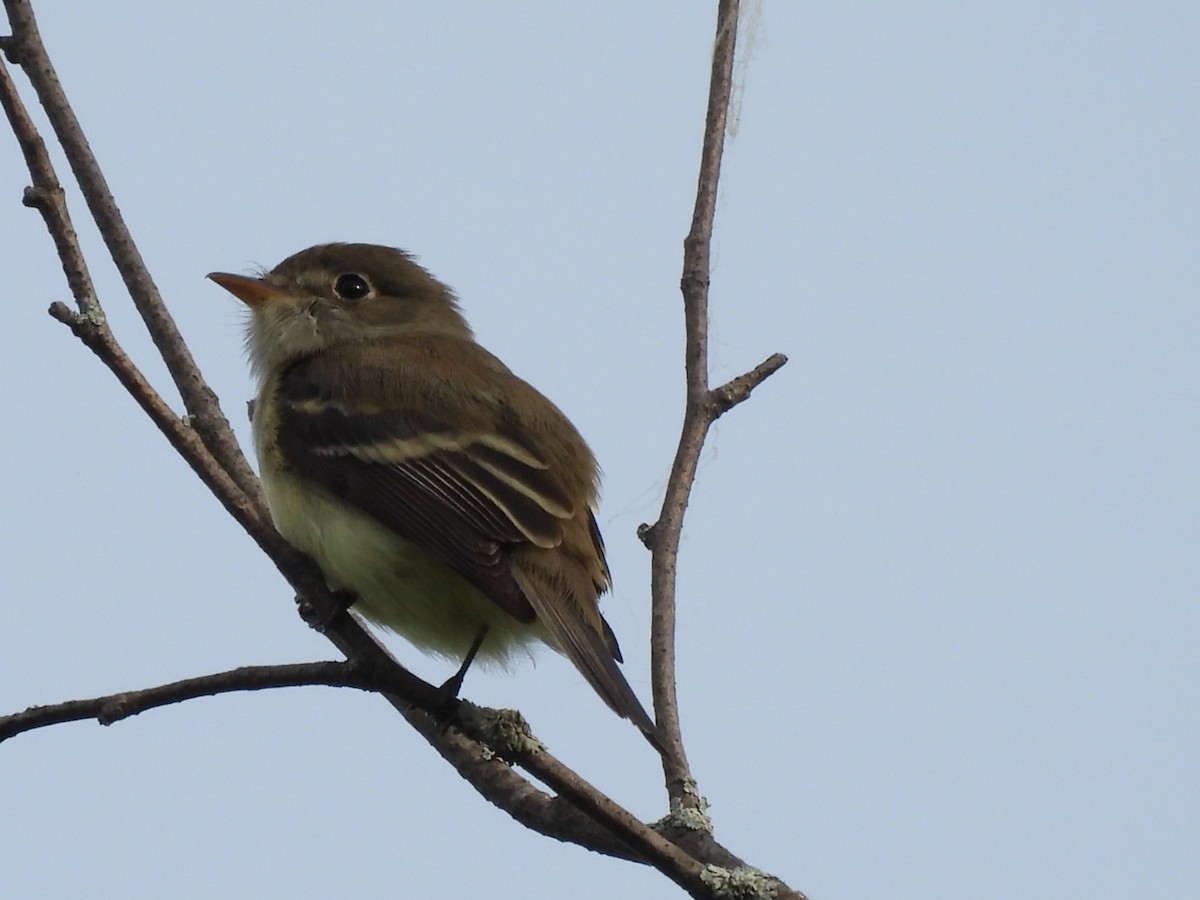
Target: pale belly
{"x": 398, "y": 585}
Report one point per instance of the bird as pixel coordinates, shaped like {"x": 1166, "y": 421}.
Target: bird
{"x": 452, "y": 500}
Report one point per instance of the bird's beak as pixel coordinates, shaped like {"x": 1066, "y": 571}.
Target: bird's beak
{"x": 254, "y": 292}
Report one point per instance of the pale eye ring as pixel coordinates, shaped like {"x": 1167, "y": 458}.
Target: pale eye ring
{"x": 351, "y": 286}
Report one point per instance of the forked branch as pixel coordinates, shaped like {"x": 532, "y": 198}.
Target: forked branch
{"x": 579, "y": 813}
{"x": 702, "y": 407}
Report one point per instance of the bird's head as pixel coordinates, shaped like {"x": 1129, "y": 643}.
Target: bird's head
{"x": 335, "y": 294}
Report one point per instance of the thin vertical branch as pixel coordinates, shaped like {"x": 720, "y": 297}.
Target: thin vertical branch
{"x": 663, "y": 537}
{"x": 703, "y": 407}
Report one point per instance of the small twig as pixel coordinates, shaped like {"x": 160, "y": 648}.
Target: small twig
{"x": 734, "y": 391}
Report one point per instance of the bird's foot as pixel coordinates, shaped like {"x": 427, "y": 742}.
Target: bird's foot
{"x": 319, "y": 616}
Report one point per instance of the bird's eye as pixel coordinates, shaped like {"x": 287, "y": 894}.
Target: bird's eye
{"x": 351, "y": 286}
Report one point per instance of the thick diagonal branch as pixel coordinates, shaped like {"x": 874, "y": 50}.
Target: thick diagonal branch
{"x": 25, "y": 47}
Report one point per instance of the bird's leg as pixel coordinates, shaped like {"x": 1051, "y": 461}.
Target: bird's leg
{"x": 453, "y": 685}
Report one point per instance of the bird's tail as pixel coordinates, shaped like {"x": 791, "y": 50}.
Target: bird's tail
{"x": 585, "y": 644}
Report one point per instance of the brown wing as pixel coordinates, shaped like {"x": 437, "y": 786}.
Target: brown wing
{"x": 461, "y": 495}
{"x": 474, "y": 492}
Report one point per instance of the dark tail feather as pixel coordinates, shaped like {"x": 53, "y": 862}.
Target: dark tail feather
{"x": 589, "y": 651}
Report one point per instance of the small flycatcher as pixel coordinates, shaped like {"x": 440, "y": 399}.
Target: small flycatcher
{"x": 450, "y": 497}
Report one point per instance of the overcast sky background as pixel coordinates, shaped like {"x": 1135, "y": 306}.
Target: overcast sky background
{"x": 938, "y": 590}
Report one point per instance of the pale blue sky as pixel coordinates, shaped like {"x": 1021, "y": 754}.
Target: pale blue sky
{"x": 939, "y": 620}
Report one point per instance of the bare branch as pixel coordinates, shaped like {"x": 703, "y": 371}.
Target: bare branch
{"x": 494, "y": 779}
{"x": 639, "y": 843}
{"x": 734, "y": 391}
{"x": 581, "y": 814}
{"x": 90, "y": 324}
{"x": 95, "y": 334}
{"x": 703, "y": 406}
{"x": 47, "y": 197}
{"x": 25, "y": 46}
{"x": 652, "y": 847}
{"x": 663, "y": 537}
{"x": 114, "y": 707}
